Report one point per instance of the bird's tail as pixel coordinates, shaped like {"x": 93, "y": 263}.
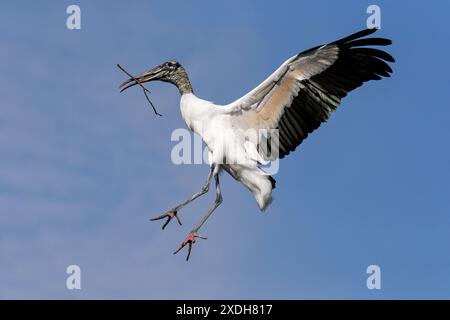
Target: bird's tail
{"x": 257, "y": 181}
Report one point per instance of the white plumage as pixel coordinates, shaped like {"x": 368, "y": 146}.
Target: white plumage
{"x": 225, "y": 138}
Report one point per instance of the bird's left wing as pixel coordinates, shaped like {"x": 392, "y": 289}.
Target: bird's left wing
{"x": 305, "y": 89}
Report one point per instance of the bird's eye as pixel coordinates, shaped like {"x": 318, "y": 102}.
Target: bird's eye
{"x": 172, "y": 65}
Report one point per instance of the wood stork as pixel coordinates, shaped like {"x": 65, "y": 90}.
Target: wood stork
{"x": 292, "y": 102}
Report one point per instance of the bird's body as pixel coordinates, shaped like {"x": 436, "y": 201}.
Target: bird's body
{"x": 225, "y": 138}
{"x": 274, "y": 118}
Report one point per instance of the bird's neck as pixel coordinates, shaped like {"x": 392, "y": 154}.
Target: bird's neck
{"x": 182, "y": 82}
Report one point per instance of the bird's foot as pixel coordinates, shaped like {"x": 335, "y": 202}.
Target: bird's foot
{"x": 190, "y": 240}
{"x": 169, "y": 215}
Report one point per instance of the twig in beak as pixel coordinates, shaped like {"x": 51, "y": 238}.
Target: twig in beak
{"x": 144, "y": 89}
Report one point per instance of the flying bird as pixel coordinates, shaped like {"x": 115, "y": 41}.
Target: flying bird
{"x": 270, "y": 121}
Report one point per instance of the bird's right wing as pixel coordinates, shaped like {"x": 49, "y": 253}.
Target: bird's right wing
{"x": 304, "y": 90}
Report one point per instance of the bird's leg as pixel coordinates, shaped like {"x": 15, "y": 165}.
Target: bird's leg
{"x": 172, "y": 213}
{"x": 190, "y": 239}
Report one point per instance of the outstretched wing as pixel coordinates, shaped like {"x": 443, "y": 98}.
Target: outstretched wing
{"x": 304, "y": 90}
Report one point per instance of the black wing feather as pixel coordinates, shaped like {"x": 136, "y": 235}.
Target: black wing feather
{"x": 322, "y": 93}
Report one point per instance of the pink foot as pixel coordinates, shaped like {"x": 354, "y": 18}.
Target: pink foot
{"x": 190, "y": 239}
{"x": 169, "y": 215}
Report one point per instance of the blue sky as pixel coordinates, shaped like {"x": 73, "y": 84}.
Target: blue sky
{"x": 82, "y": 167}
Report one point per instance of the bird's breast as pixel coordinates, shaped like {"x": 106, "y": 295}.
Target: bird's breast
{"x": 198, "y": 114}
{"x": 216, "y": 129}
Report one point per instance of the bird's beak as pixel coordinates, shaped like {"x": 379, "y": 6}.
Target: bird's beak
{"x": 153, "y": 74}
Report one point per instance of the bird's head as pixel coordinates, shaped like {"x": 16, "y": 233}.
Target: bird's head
{"x": 170, "y": 71}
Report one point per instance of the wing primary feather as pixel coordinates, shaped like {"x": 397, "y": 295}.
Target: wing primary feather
{"x": 356, "y": 35}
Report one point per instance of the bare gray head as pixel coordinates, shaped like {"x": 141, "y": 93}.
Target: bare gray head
{"x": 170, "y": 71}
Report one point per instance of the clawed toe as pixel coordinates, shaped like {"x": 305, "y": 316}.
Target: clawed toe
{"x": 169, "y": 215}
{"x": 190, "y": 240}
